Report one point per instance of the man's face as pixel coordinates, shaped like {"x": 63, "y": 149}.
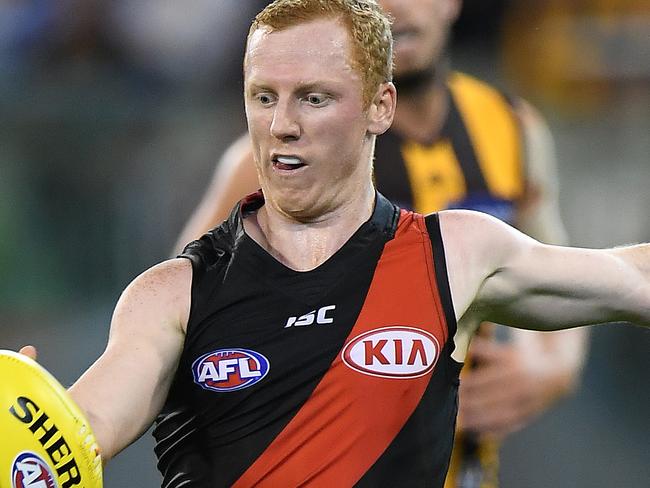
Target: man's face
{"x": 420, "y": 31}
{"x": 306, "y": 117}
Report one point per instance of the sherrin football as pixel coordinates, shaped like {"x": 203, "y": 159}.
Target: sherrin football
{"x": 45, "y": 440}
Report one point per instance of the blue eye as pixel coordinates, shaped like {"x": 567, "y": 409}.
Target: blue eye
{"x": 265, "y": 98}
{"x": 317, "y": 99}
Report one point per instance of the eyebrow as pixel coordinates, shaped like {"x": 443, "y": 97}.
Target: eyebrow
{"x": 306, "y": 87}
{"x": 311, "y": 86}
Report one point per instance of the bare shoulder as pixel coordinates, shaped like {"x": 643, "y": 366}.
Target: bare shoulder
{"x": 162, "y": 291}
{"x": 170, "y": 276}
{"x": 482, "y": 242}
{"x": 477, "y": 229}
{"x": 473, "y": 240}
{"x": 476, "y": 246}
{"x": 456, "y": 220}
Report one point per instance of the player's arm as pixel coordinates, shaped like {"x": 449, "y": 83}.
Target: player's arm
{"x": 234, "y": 178}
{"x": 499, "y": 274}
{"x": 516, "y": 380}
{"x": 124, "y": 390}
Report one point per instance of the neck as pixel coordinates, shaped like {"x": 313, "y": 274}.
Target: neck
{"x": 303, "y": 246}
{"x": 423, "y": 104}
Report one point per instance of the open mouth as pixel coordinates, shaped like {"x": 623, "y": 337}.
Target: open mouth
{"x": 287, "y": 163}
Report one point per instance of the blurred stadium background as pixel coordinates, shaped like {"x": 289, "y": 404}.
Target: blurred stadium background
{"x": 113, "y": 113}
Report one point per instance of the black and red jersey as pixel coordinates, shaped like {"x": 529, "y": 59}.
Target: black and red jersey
{"x": 338, "y": 376}
{"x": 476, "y": 162}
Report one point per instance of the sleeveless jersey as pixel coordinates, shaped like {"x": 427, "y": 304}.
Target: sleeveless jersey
{"x": 476, "y": 163}
{"x": 338, "y": 376}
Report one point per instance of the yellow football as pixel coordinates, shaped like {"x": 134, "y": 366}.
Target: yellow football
{"x": 45, "y": 440}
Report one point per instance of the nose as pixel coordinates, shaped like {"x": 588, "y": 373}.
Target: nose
{"x": 285, "y": 125}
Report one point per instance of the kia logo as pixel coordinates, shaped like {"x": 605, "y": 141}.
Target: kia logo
{"x": 392, "y": 352}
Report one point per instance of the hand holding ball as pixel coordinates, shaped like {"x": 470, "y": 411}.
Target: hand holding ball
{"x": 45, "y": 440}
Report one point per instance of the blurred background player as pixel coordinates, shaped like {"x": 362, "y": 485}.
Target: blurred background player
{"x": 457, "y": 142}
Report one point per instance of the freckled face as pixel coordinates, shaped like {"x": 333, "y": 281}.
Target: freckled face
{"x": 306, "y": 118}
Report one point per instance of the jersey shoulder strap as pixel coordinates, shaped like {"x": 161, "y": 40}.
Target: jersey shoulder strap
{"x": 432, "y": 222}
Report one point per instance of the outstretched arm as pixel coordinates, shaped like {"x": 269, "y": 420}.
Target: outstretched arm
{"x": 499, "y": 274}
{"x": 549, "y": 288}
{"x": 234, "y": 178}
{"x": 123, "y": 391}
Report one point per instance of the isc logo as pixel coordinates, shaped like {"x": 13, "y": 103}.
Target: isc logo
{"x": 315, "y": 316}
{"x": 30, "y": 471}
{"x": 229, "y": 369}
{"x": 392, "y": 352}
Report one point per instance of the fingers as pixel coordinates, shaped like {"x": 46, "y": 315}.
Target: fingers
{"x": 499, "y": 412}
{"x": 503, "y": 393}
{"x": 496, "y": 425}
{"x": 487, "y": 350}
{"x": 29, "y": 351}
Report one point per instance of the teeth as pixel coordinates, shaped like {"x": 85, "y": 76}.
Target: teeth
{"x": 288, "y": 160}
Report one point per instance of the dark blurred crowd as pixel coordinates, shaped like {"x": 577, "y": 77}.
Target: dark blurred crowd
{"x": 106, "y": 108}
{"x": 153, "y": 41}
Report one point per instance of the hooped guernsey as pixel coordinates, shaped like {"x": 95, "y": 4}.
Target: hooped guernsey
{"x": 338, "y": 376}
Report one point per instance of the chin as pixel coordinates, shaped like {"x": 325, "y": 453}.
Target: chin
{"x": 302, "y": 213}
{"x": 295, "y": 203}
{"x": 308, "y": 210}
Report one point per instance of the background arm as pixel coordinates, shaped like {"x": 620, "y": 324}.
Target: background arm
{"x": 234, "y": 178}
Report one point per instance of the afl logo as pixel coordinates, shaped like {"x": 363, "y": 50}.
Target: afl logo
{"x": 229, "y": 369}
{"x": 30, "y": 471}
{"x": 392, "y": 352}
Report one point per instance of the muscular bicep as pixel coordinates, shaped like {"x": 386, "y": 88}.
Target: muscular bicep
{"x": 125, "y": 388}
{"x": 499, "y": 274}
{"x": 546, "y": 287}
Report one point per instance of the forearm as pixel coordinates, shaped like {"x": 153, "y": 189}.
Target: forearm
{"x": 123, "y": 407}
{"x": 103, "y": 428}
{"x": 104, "y": 434}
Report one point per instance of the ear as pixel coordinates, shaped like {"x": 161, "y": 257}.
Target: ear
{"x": 382, "y": 109}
